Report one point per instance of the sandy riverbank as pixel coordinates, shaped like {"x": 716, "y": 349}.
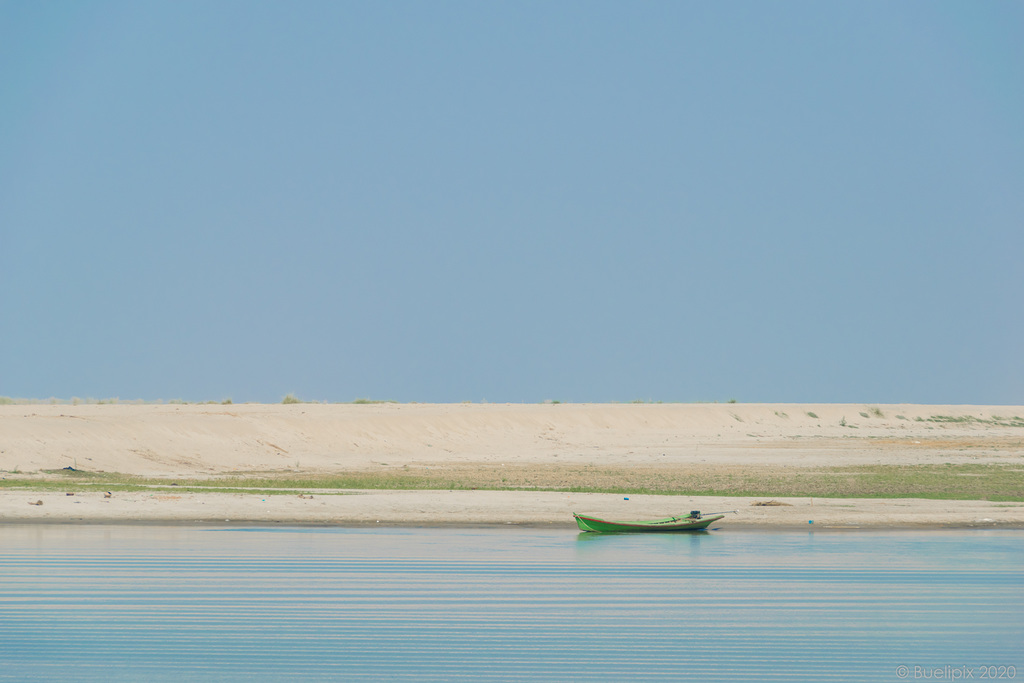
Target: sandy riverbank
{"x": 189, "y": 441}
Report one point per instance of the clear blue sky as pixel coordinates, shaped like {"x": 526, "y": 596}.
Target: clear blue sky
{"x": 513, "y": 201}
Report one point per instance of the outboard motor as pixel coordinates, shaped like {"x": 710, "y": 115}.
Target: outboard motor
{"x": 695, "y": 514}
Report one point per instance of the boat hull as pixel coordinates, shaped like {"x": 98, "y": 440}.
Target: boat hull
{"x": 667, "y": 525}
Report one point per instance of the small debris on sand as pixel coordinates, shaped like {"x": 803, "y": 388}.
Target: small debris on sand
{"x": 108, "y": 494}
{"x": 769, "y": 503}
{"x": 38, "y": 502}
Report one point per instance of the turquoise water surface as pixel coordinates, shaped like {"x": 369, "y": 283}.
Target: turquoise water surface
{"x": 126, "y": 602}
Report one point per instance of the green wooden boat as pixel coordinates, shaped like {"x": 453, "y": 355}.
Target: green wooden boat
{"x": 693, "y": 522}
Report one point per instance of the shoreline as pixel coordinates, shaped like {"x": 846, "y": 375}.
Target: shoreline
{"x": 477, "y": 509}
{"x": 535, "y": 445}
{"x": 569, "y": 527}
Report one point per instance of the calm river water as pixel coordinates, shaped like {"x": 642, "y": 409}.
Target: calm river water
{"x": 191, "y": 603}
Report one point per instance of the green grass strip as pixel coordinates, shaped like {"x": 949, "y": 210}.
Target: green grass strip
{"x": 996, "y": 482}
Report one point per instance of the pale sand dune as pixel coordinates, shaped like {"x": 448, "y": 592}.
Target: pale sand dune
{"x": 205, "y": 440}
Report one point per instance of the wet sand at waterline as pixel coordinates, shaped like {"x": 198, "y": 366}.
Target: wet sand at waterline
{"x": 537, "y": 446}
